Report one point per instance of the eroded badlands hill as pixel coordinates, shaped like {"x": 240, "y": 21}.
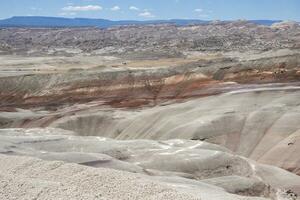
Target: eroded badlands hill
{"x": 197, "y": 112}
{"x": 174, "y": 169}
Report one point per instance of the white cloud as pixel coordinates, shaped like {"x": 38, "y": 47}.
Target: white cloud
{"x": 115, "y": 8}
{"x": 67, "y": 13}
{"x": 133, "y": 8}
{"x": 146, "y": 14}
{"x": 82, "y": 8}
{"x": 198, "y": 10}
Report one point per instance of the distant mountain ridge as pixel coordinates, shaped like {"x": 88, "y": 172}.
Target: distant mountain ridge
{"x": 36, "y": 21}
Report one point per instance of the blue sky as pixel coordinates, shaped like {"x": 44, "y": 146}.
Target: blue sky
{"x": 154, "y": 9}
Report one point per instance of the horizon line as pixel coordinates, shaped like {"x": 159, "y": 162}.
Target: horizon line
{"x": 65, "y": 17}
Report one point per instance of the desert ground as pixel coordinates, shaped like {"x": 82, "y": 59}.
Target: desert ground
{"x": 209, "y": 112}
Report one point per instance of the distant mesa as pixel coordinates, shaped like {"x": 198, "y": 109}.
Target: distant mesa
{"x": 37, "y": 21}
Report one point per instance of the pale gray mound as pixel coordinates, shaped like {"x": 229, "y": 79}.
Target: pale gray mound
{"x": 258, "y": 123}
{"x": 198, "y": 169}
{"x": 29, "y": 178}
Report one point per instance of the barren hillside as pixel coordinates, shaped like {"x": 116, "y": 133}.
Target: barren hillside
{"x": 151, "y": 112}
